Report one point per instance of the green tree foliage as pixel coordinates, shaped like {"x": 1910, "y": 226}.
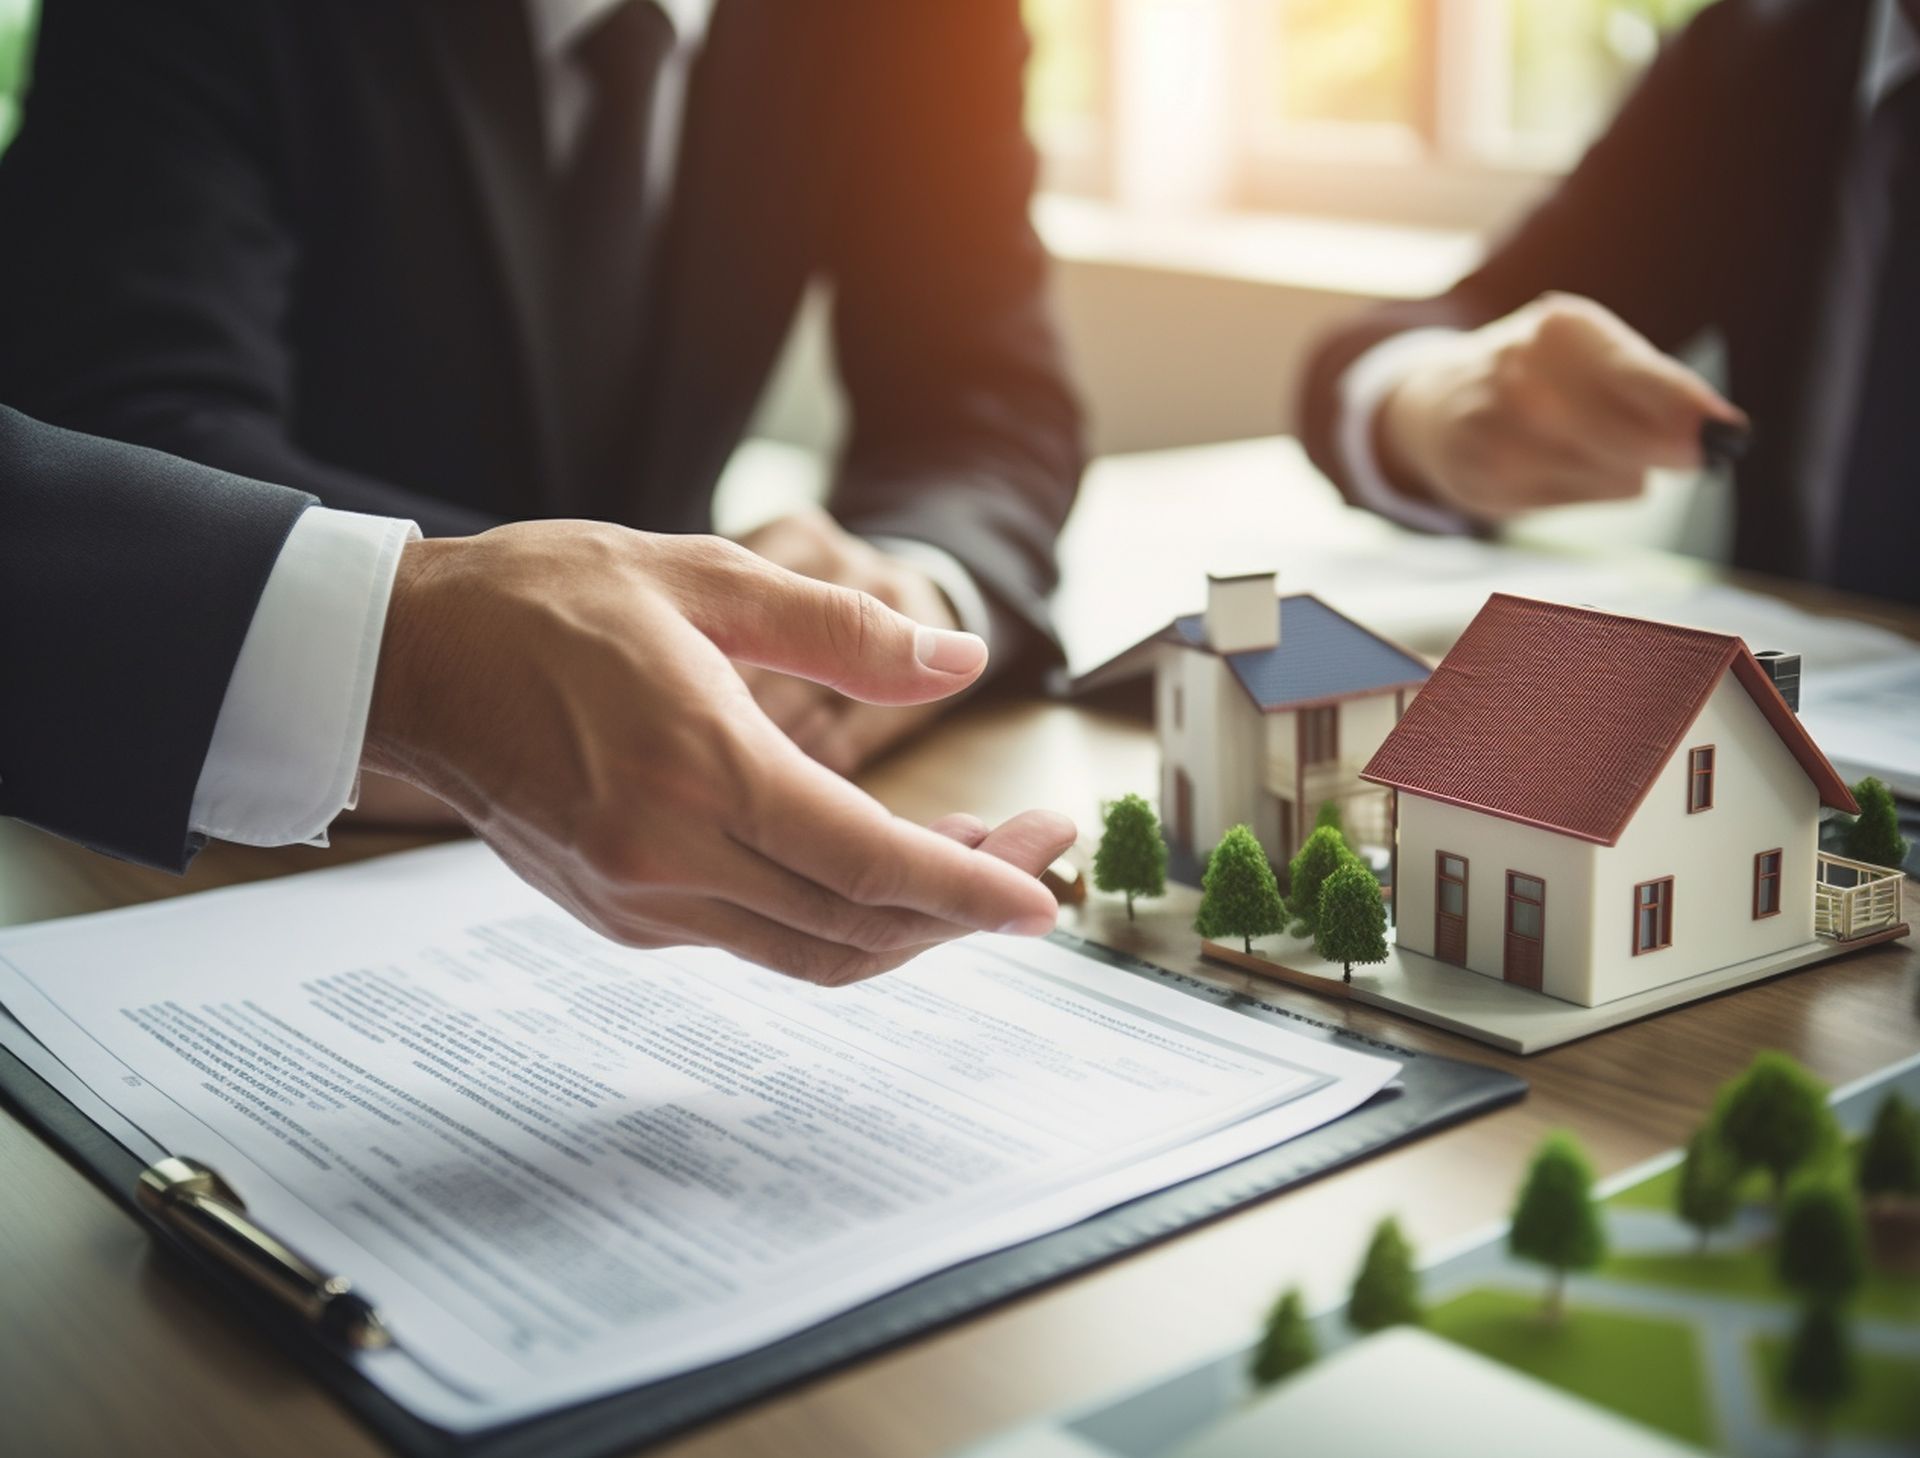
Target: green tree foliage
{"x": 1329, "y": 818}
{"x": 1890, "y": 1160}
{"x": 1822, "y": 1250}
{"x": 1387, "y": 1290}
{"x": 1132, "y": 857}
{"x": 1555, "y": 1221}
{"x": 1707, "y": 1195}
{"x": 1324, "y": 852}
{"x": 1287, "y": 1344}
{"x": 1353, "y": 919}
{"x": 1239, "y": 897}
{"x": 1819, "y": 1373}
{"x": 1775, "y": 1116}
{"x": 1874, "y": 834}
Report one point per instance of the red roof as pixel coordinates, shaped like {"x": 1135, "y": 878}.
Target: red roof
{"x": 1561, "y": 717}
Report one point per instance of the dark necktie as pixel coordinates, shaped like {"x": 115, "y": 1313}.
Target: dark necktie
{"x": 1876, "y": 548}
{"x": 601, "y": 236}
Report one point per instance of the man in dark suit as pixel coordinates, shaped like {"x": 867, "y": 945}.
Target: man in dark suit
{"x": 1763, "y": 182}
{"x": 464, "y": 261}
{"x": 560, "y": 684}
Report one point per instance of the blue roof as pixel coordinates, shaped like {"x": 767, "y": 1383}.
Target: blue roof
{"x": 1322, "y": 655}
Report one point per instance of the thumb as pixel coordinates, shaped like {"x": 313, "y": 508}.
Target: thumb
{"x": 758, "y": 613}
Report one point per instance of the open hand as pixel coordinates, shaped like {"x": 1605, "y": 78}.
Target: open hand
{"x": 566, "y": 686}
{"x": 1559, "y": 402}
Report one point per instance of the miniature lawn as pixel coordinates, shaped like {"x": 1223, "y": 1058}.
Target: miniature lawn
{"x": 1885, "y": 1405}
{"x": 1746, "y": 1272}
{"x": 1639, "y": 1366}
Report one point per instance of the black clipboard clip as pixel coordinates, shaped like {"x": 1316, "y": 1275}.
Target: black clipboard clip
{"x": 194, "y": 1202}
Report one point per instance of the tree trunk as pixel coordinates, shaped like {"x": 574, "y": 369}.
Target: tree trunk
{"x": 1557, "y": 1296}
{"x": 1346, "y": 971}
{"x": 1700, "y": 1242}
{"x": 1129, "y": 906}
{"x": 1246, "y": 945}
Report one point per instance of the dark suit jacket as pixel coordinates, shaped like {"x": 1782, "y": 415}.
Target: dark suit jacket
{"x": 1705, "y": 205}
{"x": 305, "y": 240}
{"x": 127, "y": 581}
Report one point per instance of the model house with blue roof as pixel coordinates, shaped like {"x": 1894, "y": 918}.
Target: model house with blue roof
{"x": 1269, "y": 707}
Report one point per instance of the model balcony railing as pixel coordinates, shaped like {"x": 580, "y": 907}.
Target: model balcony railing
{"x": 1854, "y": 898}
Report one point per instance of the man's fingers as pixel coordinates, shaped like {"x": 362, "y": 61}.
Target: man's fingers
{"x": 816, "y": 824}
{"x": 1031, "y": 841}
{"x": 679, "y": 920}
{"x": 968, "y": 830}
{"x": 850, "y": 641}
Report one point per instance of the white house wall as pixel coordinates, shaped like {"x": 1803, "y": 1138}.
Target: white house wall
{"x": 1762, "y": 800}
{"x": 1492, "y": 847}
{"x": 1217, "y": 741}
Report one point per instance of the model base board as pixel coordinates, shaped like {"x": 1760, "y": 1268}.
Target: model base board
{"x": 1673, "y": 1338}
{"x": 1490, "y": 1011}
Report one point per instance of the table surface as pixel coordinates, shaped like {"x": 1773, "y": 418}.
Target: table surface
{"x": 104, "y": 1348}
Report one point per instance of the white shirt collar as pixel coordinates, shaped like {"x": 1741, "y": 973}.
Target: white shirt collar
{"x": 1893, "y": 53}
{"x": 557, "y": 24}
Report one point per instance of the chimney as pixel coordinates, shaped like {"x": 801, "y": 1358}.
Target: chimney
{"x": 1784, "y": 671}
{"x": 1242, "y": 615}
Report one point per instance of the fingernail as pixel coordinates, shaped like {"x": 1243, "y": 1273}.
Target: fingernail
{"x": 1029, "y": 926}
{"x": 946, "y": 652}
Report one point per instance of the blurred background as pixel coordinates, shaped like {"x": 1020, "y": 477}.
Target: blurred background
{"x": 1223, "y": 177}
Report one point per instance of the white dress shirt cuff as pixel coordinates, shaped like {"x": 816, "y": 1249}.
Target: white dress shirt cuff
{"x": 963, "y": 594}
{"x": 1363, "y": 389}
{"x": 285, "y": 756}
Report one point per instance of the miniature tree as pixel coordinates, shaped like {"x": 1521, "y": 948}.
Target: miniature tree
{"x": 1708, "y": 1193}
{"x": 1890, "y": 1159}
{"x": 1774, "y": 1116}
{"x": 1387, "y": 1291}
{"x": 1821, "y": 1252}
{"x": 1239, "y": 897}
{"x": 1324, "y": 852}
{"x": 1353, "y": 919}
{"x": 1819, "y": 1372}
{"x": 1287, "y": 1344}
{"x": 1132, "y": 857}
{"x": 1874, "y": 834}
{"x": 1555, "y": 1222}
{"x": 1329, "y": 818}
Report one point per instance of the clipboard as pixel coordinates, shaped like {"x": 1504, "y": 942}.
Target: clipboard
{"x": 1430, "y": 1093}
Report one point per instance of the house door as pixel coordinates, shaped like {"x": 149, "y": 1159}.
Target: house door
{"x": 1526, "y": 930}
{"x": 1450, "y": 908}
{"x": 1183, "y": 810}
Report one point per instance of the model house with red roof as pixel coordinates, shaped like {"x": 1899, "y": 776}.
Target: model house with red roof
{"x": 1593, "y": 806}
{"x": 1267, "y": 708}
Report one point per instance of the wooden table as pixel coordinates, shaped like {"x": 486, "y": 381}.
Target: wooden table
{"x": 104, "y": 1349}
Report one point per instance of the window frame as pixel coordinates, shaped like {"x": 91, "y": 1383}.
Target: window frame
{"x": 1695, "y": 774}
{"x": 1329, "y": 740}
{"x": 1663, "y": 901}
{"x": 1777, "y": 876}
{"x": 1540, "y": 902}
{"x": 1440, "y": 876}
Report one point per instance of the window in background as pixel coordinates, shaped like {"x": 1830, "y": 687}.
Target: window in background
{"x": 16, "y": 38}
{"x": 1442, "y": 112}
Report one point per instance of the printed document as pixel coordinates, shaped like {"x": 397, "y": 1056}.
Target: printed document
{"x": 562, "y": 1168}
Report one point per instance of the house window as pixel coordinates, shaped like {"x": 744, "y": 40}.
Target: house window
{"x": 1700, "y": 779}
{"x": 1526, "y": 905}
{"x": 1320, "y": 735}
{"x": 1653, "y": 915}
{"x": 1766, "y": 884}
{"x": 1452, "y": 884}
